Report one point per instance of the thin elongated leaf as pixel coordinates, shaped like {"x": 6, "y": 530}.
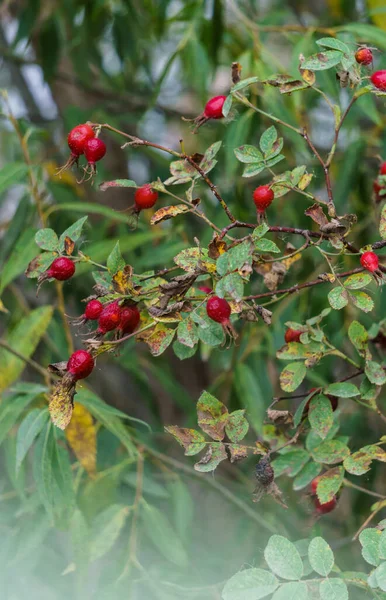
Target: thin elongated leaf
{"x": 12, "y": 173}
{"x": 106, "y": 529}
{"x": 160, "y": 531}
{"x": 29, "y": 429}
{"x": 22, "y": 254}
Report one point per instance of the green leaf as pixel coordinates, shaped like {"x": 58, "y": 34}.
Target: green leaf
{"x": 358, "y": 336}
{"x": 362, "y": 301}
{"x": 183, "y": 352}
{"x": 235, "y": 258}
{"x": 190, "y": 258}
{"x": 212, "y": 416}
{"x": 161, "y": 533}
{"x": 248, "y": 154}
{"x": 323, "y": 60}
{"x": 253, "y": 169}
{"x": 250, "y": 395}
{"x": 283, "y": 558}
{"x": 11, "y": 408}
{"x": 333, "y": 589}
{"x": 24, "y": 339}
{"x": 160, "y": 339}
{"x": 47, "y": 239}
{"x": 330, "y": 452}
{"x": 292, "y": 376}
{"x": 320, "y": 415}
{"x": 260, "y": 231}
{"x": 358, "y": 463}
{"x": 268, "y": 139}
{"x": 115, "y": 261}
{"x": 187, "y": 333}
{"x": 73, "y": 232}
{"x": 212, "y": 335}
{"x": 338, "y": 298}
{"x": 382, "y": 223}
{"x": 237, "y": 426}
{"x": 250, "y": 584}
{"x": 92, "y": 209}
{"x": 207, "y": 162}
{"x": 380, "y": 576}
{"x": 191, "y": 440}
{"x": 244, "y": 83}
{"x": 266, "y": 246}
{"x": 306, "y": 475}
{"x": 125, "y": 183}
{"x": 23, "y": 252}
{"x": 227, "y": 106}
{"x": 12, "y": 173}
{"x": 40, "y": 264}
{"x": 215, "y": 454}
{"x": 334, "y": 44}
{"x": 329, "y": 484}
{"x": 342, "y": 390}
{"x": 106, "y": 529}
{"x": 369, "y": 539}
{"x": 375, "y": 373}
{"x": 364, "y": 31}
{"x": 357, "y": 281}
{"x": 28, "y": 430}
{"x": 294, "y": 590}
{"x": 232, "y": 285}
{"x": 291, "y": 462}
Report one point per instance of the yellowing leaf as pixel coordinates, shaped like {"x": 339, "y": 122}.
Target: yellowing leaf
{"x": 61, "y": 403}
{"x": 168, "y": 212}
{"x": 291, "y": 260}
{"x": 81, "y": 435}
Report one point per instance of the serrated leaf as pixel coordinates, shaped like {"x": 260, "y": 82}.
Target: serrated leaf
{"x": 292, "y": 376}
{"x": 27, "y": 432}
{"x": 234, "y": 258}
{"x": 183, "y": 352}
{"x": 248, "y": 154}
{"x": 237, "y": 426}
{"x": 268, "y": 139}
{"x": 250, "y": 584}
{"x": 283, "y": 558}
{"x": 191, "y": 440}
{"x": 260, "y": 231}
{"x": 232, "y": 285}
{"x": 333, "y": 589}
{"x": 358, "y": 336}
{"x": 290, "y": 463}
{"x": 46, "y": 239}
{"x": 213, "y": 334}
{"x": 334, "y": 44}
{"x": 338, "y": 298}
{"x": 330, "y": 452}
{"x": 115, "y": 261}
{"x": 212, "y": 416}
{"x": 227, "y": 106}
{"x": 357, "y": 281}
{"x": 342, "y": 390}
{"x": 380, "y": 576}
{"x": 321, "y": 556}
{"x": 190, "y": 258}
{"x": 125, "y": 183}
{"x": 358, "y": 463}
{"x": 187, "y": 333}
{"x": 73, "y": 232}
{"x": 320, "y": 415}
{"x": 375, "y": 373}
{"x": 322, "y": 60}
{"x": 362, "y": 301}
{"x": 215, "y": 454}
{"x": 37, "y": 266}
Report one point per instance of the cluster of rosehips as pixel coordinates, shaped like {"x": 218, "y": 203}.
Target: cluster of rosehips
{"x": 81, "y": 140}
{"x": 320, "y": 508}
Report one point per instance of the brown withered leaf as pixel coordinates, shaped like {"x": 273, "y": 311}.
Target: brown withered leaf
{"x": 307, "y": 75}
{"x": 196, "y": 158}
{"x": 315, "y": 212}
{"x": 191, "y": 440}
{"x": 81, "y": 435}
{"x": 158, "y": 338}
{"x": 59, "y": 368}
{"x": 61, "y": 402}
{"x": 280, "y": 417}
{"x": 216, "y": 247}
{"x": 236, "y": 72}
{"x": 40, "y": 264}
{"x": 327, "y": 277}
{"x": 69, "y": 245}
{"x": 305, "y": 181}
{"x": 122, "y": 281}
{"x": 176, "y": 287}
{"x": 265, "y": 314}
{"x": 273, "y": 273}
{"x": 215, "y": 454}
{"x": 237, "y": 452}
{"x": 168, "y": 212}
{"x": 334, "y": 226}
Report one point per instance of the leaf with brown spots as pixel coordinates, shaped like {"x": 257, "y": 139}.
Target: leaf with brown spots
{"x": 315, "y": 212}
{"x": 81, "y": 435}
{"x": 237, "y": 426}
{"x": 69, "y": 245}
{"x": 212, "y": 416}
{"x": 191, "y": 440}
{"x": 158, "y": 339}
{"x": 215, "y": 454}
{"x": 61, "y": 402}
{"x": 237, "y": 452}
{"x": 168, "y": 212}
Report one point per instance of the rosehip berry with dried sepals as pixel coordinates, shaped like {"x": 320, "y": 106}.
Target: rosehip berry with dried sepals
{"x": 145, "y": 197}
{"x": 93, "y": 310}
{"x": 326, "y": 507}
{"x": 378, "y": 79}
{"x": 94, "y": 150}
{"x": 262, "y": 197}
{"x": 61, "y": 269}
{"x": 370, "y": 261}
{"x": 364, "y": 56}
{"x": 109, "y": 318}
{"x": 292, "y": 335}
{"x": 213, "y": 108}
{"x": 219, "y": 310}
{"x": 78, "y": 137}
{"x": 130, "y": 318}
{"x": 80, "y": 364}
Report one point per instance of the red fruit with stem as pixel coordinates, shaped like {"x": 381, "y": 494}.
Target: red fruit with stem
{"x": 94, "y": 150}
{"x": 219, "y": 310}
{"x": 145, "y": 197}
{"x": 213, "y": 108}
{"x": 314, "y": 485}
{"x": 205, "y": 289}
{"x": 80, "y": 364}
{"x": 262, "y": 197}
{"x": 109, "y": 318}
{"x": 130, "y": 318}
{"x": 382, "y": 170}
{"x": 78, "y": 137}
{"x": 61, "y": 269}
{"x": 364, "y": 56}
{"x": 93, "y": 310}
{"x": 370, "y": 261}
{"x": 326, "y": 507}
{"x": 378, "y": 79}
{"x": 292, "y": 335}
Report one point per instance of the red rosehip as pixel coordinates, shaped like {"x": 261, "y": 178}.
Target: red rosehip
{"x": 62, "y": 268}
{"x": 93, "y": 310}
{"x": 94, "y": 150}
{"x": 378, "y": 79}
{"x": 213, "y": 108}
{"x": 292, "y": 335}
{"x": 130, "y": 319}
{"x": 218, "y": 310}
{"x": 80, "y": 364}
{"x": 145, "y": 197}
{"x": 205, "y": 289}
{"x": 382, "y": 170}
{"x": 370, "y": 261}
{"x": 109, "y": 318}
{"x": 326, "y": 507}
{"x": 262, "y": 197}
{"x": 364, "y": 56}
{"x": 77, "y": 138}
{"x": 314, "y": 485}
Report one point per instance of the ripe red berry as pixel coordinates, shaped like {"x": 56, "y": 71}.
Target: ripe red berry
{"x": 61, "y": 268}
{"x": 213, "y": 108}
{"x": 77, "y": 138}
{"x": 205, "y": 289}
{"x": 218, "y": 310}
{"x": 93, "y": 310}
{"x": 292, "y": 335}
{"x": 382, "y": 170}
{"x": 109, "y": 318}
{"x": 80, "y": 364}
{"x": 370, "y": 261}
{"x": 378, "y": 79}
{"x": 364, "y": 56}
{"x": 314, "y": 485}
{"x": 326, "y": 507}
{"x": 145, "y": 197}
{"x": 94, "y": 150}
{"x": 130, "y": 318}
{"x": 262, "y": 197}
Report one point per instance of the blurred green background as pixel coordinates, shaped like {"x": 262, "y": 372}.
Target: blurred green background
{"x": 141, "y": 65}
